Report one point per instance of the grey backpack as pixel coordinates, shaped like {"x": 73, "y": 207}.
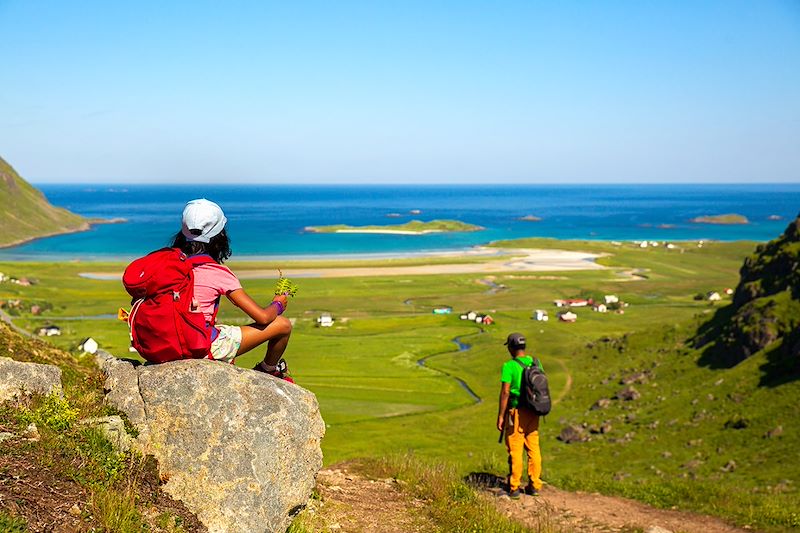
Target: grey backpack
{"x": 534, "y": 391}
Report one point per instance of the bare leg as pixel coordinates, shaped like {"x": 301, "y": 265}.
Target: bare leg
{"x": 276, "y": 332}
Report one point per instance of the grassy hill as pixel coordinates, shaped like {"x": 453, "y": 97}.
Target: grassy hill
{"x": 714, "y": 438}
{"x": 27, "y": 214}
{"x": 765, "y": 313}
{"x": 64, "y": 475}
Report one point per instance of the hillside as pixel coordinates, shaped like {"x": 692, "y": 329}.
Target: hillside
{"x": 58, "y": 474}
{"x": 27, "y": 214}
{"x": 765, "y": 313}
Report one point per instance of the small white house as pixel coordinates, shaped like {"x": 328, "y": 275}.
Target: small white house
{"x": 600, "y": 308}
{"x": 643, "y": 244}
{"x": 3, "y": 277}
{"x": 729, "y": 291}
{"x": 611, "y": 299}
{"x": 713, "y": 296}
{"x": 568, "y": 316}
{"x": 472, "y": 315}
{"x": 325, "y": 320}
{"x": 49, "y": 331}
{"x": 540, "y": 316}
{"x": 89, "y": 345}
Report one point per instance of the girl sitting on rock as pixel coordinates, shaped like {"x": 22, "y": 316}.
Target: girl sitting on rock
{"x": 203, "y": 232}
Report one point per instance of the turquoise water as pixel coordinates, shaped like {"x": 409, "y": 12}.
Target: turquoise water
{"x": 269, "y": 220}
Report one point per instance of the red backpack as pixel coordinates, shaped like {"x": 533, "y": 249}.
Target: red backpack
{"x": 165, "y": 322}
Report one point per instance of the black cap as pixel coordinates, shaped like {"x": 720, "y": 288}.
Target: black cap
{"x": 515, "y": 339}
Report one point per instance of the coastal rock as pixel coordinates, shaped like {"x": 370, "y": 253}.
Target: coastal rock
{"x": 573, "y": 433}
{"x": 122, "y": 387}
{"x": 602, "y": 403}
{"x": 637, "y": 377}
{"x": 629, "y": 393}
{"x": 240, "y": 448}
{"x": 18, "y": 378}
{"x": 774, "y": 433}
{"x": 657, "y": 529}
{"x": 113, "y": 429}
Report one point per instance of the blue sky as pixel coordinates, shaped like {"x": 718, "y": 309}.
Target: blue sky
{"x": 401, "y": 92}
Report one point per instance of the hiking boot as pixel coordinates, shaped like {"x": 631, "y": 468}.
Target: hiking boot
{"x": 515, "y": 494}
{"x": 530, "y": 491}
{"x": 280, "y": 371}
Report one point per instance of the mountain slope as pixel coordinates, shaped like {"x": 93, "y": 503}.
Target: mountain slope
{"x": 27, "y": 214}
{"x": 765, "y": 313}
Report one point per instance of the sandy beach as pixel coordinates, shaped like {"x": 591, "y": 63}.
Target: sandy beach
{"x": 388, "y": 231}
{"x": 497, "y": 260}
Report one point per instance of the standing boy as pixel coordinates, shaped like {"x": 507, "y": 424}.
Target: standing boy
{"x": 520, "y": 425}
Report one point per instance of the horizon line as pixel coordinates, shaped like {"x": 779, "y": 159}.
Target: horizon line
{"x": 407, "y": 184}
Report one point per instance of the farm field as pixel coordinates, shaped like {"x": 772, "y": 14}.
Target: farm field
{"x": 695, "y": 439}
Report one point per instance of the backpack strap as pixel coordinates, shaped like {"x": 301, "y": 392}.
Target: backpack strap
{"x": 523, "y": 365}
{"x": 204, "y": 259}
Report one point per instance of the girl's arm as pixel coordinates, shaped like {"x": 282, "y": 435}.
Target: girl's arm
{"x": 261, "y": 315}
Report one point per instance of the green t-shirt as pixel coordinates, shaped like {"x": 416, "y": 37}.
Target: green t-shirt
{"x": 512, "y": 373}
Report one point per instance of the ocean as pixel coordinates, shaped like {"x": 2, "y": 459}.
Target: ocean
{"x": 269, "y": 220}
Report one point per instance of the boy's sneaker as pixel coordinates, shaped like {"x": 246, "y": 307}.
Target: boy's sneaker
{"x": 280, "y": 370}
{"x": 515, "y": 494}
{"x": 530, "y": 491}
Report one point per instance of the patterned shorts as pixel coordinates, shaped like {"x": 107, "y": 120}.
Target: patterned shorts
{"x": 227, "y": 343}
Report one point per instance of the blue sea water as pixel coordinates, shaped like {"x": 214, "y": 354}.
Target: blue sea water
{"x": 269, "y": 220}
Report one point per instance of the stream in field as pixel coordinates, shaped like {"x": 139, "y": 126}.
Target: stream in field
{"x": 462, "y": 347}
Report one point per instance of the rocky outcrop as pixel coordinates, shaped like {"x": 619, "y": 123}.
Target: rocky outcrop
{"x": 240, "y": 448}
{"x": 17, "y": 378}
{"x": 766, "y": 306}
{"x": 573, "y": 433}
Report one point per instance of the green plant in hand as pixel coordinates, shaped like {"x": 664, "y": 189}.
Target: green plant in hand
{"x": 285, "y": 285}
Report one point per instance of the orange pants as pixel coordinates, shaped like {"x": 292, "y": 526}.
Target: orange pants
{"x": 522, "y": 433}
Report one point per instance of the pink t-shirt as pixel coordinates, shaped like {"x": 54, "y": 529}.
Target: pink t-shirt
{"x": 210, "y": 282}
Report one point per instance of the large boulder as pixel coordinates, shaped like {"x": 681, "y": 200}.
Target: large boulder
{"x": 18, "y": 378}
{"x": 240, "y": 448}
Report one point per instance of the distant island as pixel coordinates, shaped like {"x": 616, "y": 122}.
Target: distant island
{"x": 729, "y": 219}
{"x": 414, "y": 227}
{"x": 529, "y": 218}
{"x": 774, "y": 217}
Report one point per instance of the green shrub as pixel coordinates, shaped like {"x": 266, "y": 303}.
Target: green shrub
{"x": 53, "y": 412}
{"x": 12, "y": 524}
{"x": 116, "y": 511}
{"x": 451, "y": 503}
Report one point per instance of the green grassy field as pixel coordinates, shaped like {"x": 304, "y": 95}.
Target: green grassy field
{"x": 671, "y": 447}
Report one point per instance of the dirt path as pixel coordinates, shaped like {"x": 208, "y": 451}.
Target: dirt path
{"x": 584, "y": 512}
{"x": 352, "y": 503}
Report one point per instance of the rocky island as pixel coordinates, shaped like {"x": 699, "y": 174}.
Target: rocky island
{"x": 530, "y": 218}
{"x": 414, "y": 227}
{"x": 729, "y": 219}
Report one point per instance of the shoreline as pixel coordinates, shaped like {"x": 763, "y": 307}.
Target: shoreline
{"x": 486, "y": 249}
{"x": 497, "y": 261}
{"x": 85, "y": 226}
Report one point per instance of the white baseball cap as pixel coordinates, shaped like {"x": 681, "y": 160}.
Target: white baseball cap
{"x": 205, "y": 216}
